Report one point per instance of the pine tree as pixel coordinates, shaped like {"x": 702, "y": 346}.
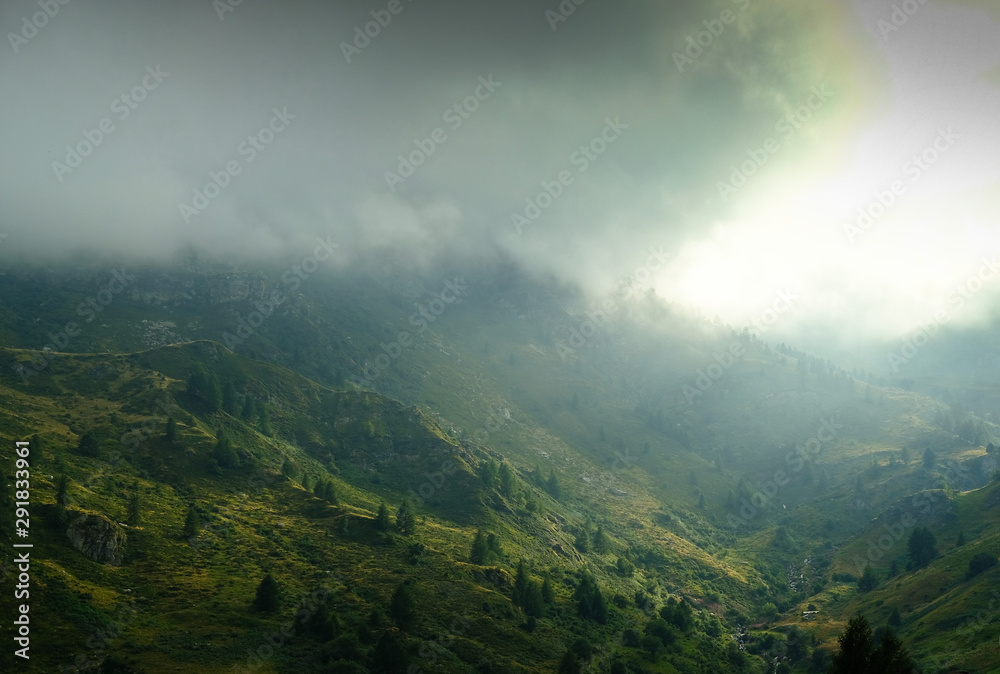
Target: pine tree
{"x": 552, "y": 486}
{"x": 388, "y": 654}
{"x": 590, "y": 601}
{"x": 402, "y": 607}
{"x": 170, "y": 435}
{"x": 507, "y": 480}
{"x": 213, "y": 394}
{"x": 264, "y": 421}
{"x": 856, "y": 648}
{"x": 929, "y": 458}
{"x": 62, "y": 487}
{"x": 134, "y": 508}
{"x": 582, "y": 541}
{"x": 520, "y": 585}
{"x": 326, "y": 490}
{"x": 289, "y": 469}
{"x": 868, "y": 580}
{"x": 922, "y": 546}
{"x": 960, "y": 541}
{"x": 548, "y": 592}
{"x": 229, "y": 400}
{"x": 382, "y": 519}
{"x": 268, "y": 594}
{"x": 600, "y": 540}
{"x": 493, "y": 545}
{"x": 895, "y": 620}
{"x": 488, "y": 472}
{"x": 198, "y": 381}
{"x": 534, "y": 602}
{"x": 62, "y": 500}
{"x": 479, "y": 550}
{"x": 192, "y": 522}
{"x": 324, "y": 624}
{"x": 406, "y": 521}
{"x": 249, "y": 409}
{"x": 224, "y": 453}
{"x": 88, "y": 446}
{"x": 891, "y": 657}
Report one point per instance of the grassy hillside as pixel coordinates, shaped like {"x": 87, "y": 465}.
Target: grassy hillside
{"x": 749, "y": 500}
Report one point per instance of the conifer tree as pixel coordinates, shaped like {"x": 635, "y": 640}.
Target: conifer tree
{"x": 507, "y": 480}
{"x": 268, "y": 594}
{"x": 479, "y": 550}
{"x": 402, "y": 607}
{"x": 382, "y": 519}
{"x": 135, "y": 507}
{"x": 520, "y": 585}
{"x": 192, "y": 522}
{"x": 534, "y": 602}
{"x": 868, "y": 580}
{"x": 406, "y": 521}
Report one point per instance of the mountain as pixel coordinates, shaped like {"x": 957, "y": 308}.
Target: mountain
{"x": 630, "y": 454}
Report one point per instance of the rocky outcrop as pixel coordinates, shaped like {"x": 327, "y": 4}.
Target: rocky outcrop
{"x": 97, "y": 537}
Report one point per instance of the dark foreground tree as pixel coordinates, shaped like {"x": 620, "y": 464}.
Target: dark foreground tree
{"x": 134, "y": 507}
{"x": 856, "y": 648}
{"x": 859, "y": 656}
{"x": 922, "y": 546}
{"x": 479, "y": 550}
{"x": 268, "y": 594}
{"x": 406, "y": 521}
{"x": 192, "y": 522}
{"x": 402, "y": 607}
{"x": 87, "y": 446}
{"x": 980, "y": 563}
{"x": 389, "y": 655}
{"x": 891, "y": 657}
{"x": 382, "y": 519}
{"x": 590, "y": 601}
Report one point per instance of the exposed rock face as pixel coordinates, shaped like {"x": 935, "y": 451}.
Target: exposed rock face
{"x": 97, "y": 537}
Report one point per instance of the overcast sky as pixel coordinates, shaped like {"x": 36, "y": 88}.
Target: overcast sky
{"x": 740, "y": 137}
